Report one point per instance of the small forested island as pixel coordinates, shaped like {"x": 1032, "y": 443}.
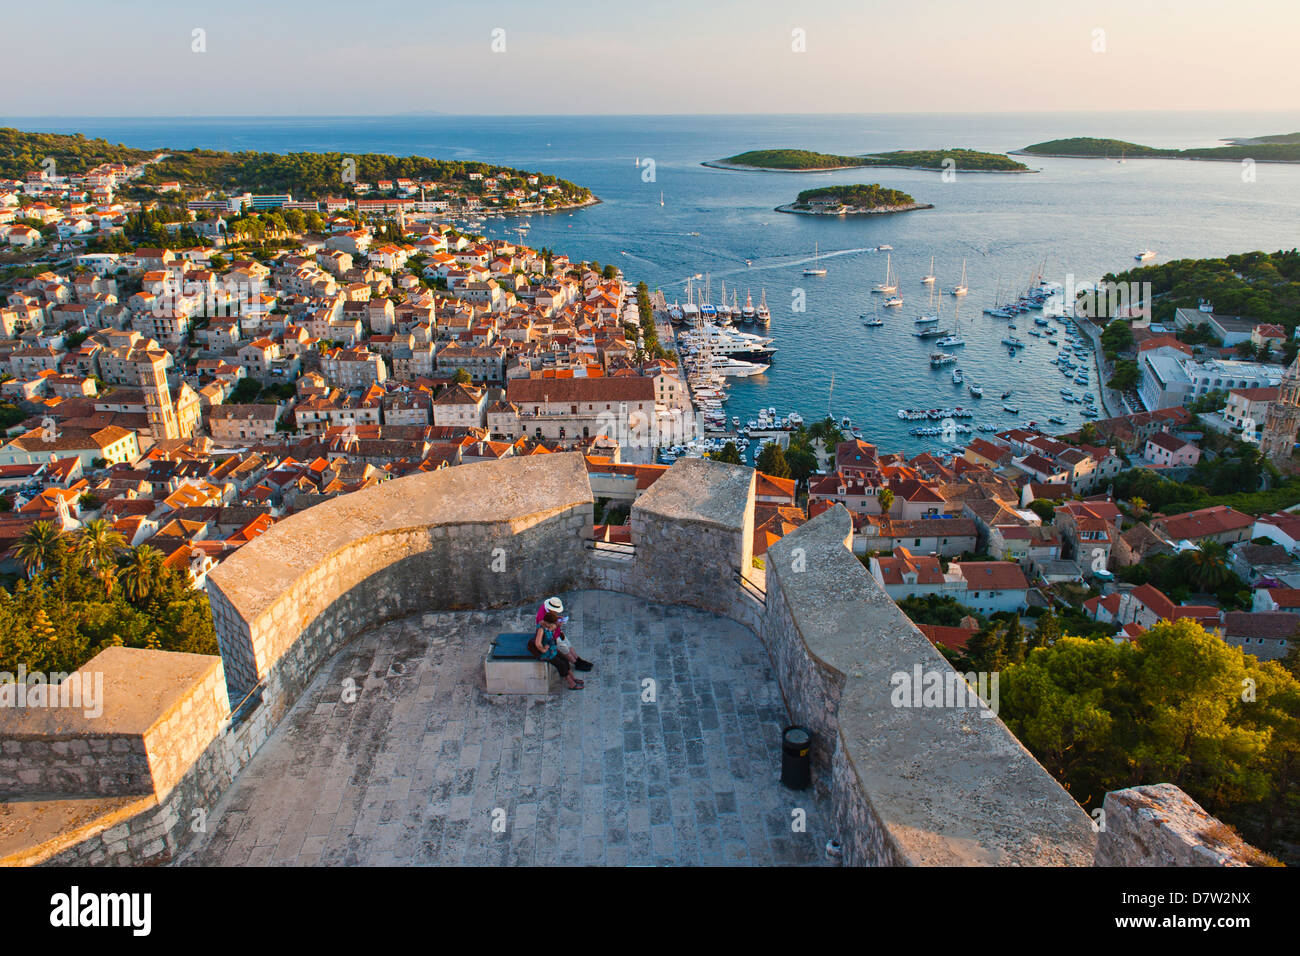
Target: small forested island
{"x": 803, "y": 160}
{"x": 306, "y": 175}
{"x": 1283, "y": 148}
{"x": 858, "y": 200}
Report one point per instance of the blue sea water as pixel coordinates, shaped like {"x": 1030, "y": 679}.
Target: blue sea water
{"x": 1079, "y": 217}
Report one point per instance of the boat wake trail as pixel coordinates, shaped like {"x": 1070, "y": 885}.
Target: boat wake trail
{"x": 782, "y": 262}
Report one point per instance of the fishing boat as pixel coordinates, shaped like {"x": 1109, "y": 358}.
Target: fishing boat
{"x": 928, "y": 278}
{"x": 940, "y": 359}
{"x": 763, "y": 315}
{"x": 815, "y": 269}
{"x": 961, "y": 288}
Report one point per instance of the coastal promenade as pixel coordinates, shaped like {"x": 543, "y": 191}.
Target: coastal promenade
{"x": 1112, "y": 402}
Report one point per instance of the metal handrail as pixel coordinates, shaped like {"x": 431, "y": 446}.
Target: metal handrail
{"x": 752, "y": 589}
{"x": 245, "y": 708}
{"x": 617, "y": 547}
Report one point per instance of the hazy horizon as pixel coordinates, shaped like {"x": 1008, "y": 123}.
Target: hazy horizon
{"x": 329, "y": 58}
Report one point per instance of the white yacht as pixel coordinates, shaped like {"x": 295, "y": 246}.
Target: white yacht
{"x": 893, "y": 302}
{"x": 890, "y": 285}
{"x": 815, "y": 269}
{"x": 960, "y": 288}
{"x": 928, "y": 278}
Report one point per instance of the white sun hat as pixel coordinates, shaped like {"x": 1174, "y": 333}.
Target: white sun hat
{"x": 554, "y": 604}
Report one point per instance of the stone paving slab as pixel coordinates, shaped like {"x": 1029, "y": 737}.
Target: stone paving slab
{"x": 425, "y": 768}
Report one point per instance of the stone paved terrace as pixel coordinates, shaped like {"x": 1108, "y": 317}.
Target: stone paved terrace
{"x": 411, "y": 772}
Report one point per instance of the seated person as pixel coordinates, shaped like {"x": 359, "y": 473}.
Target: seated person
{"x": 556, "y": 605}
{"x": 543, "y": 648}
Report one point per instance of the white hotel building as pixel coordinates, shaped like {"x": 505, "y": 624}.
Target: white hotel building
{"x": 1168, "y": 381}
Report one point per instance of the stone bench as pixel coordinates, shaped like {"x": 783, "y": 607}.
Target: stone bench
{"x": 510, "y": 669}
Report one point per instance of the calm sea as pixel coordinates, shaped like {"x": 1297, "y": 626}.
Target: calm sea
{"x": 1075, "y": 217}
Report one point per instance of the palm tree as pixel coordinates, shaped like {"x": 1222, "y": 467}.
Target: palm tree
{"x": 142, "y": 572}
{"x": 1209, "y": 569}
{"x": 39, "y": 546}
{"x": 97, "y": 549}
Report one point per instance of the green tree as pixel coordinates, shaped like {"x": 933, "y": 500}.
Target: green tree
{"x": 729, "y": 454}
{"x": 142, "y": 573}
{"x": 771, "y": 461}
{"x": 1208, "y": 566}
{"x": 886, "y": 501}
{"x": 39, "y": 547}
{"x": 97, "y": 548}
{"x": 1047, "y": 632}
{"x": 462, "y": 377}
{"x": 1124, "y": 377}
{"x": 1102, "y": 716}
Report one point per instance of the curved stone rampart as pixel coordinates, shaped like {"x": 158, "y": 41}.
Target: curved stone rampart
{"x": 482, "y": 535}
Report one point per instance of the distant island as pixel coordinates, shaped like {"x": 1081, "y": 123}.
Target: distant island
{"x": 807, "y": 161}
{"x": 307, "y": 176}
{"x": 1255, "y": 140}
{"x": 860, "y": 200}
{"x": 1283, "y": 148}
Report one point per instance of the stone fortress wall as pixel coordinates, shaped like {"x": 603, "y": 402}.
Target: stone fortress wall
{"x": 909, "y": 786}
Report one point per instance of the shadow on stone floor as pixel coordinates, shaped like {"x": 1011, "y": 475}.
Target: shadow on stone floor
{"x": 670, "y": 756}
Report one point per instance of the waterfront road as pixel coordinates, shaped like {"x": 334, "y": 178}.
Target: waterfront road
{"x": 1112, "y": 402}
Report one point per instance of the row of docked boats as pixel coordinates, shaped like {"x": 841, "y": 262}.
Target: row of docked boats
{"x": 724, "y": 313}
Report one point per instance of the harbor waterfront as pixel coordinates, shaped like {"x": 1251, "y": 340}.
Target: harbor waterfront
{"x": 664, "y": 218}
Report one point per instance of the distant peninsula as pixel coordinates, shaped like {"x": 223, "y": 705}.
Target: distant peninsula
{"x": 807, "y": 161}
{"x": 860, "y": 200}
{"x": 307, "y": 176}
{"x": 1283, "y": 148}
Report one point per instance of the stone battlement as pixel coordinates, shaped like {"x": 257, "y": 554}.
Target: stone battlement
{"x": 909, "y": 785}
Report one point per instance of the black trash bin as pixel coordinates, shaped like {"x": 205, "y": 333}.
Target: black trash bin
{"x": 796, "y": 759}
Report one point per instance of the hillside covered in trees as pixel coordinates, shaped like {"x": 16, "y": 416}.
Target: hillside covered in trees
{"x": 861, "y": 196}
{"x": 305, "y": 175}
{"x": 1259, "y": 285}
{"x": 969, "y": 160}
{"x": 1282, "y": 149}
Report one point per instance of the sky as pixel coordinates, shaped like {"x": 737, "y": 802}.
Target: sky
{"x": 328, "y": 57}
